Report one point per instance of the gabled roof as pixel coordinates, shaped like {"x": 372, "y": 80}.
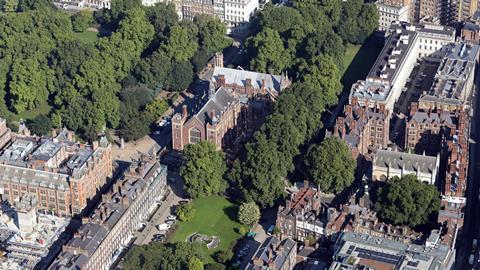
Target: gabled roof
{"x": 239, "y": 77}
{"x": 406, "y": 161}
{"x": 218, "y": 103}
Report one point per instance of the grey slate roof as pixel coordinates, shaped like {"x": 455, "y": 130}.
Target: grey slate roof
{"x": 471, "y": 27}
{"x": 218, "y": 103}
{"x": 237, "y": 76}
{"x": 433, "y": 118}
{"x": 268, "y": 245}
{"x": 409, "y": 162}
{"x": 92, "y": 235}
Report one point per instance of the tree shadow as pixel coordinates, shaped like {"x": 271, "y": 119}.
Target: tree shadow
{"x": 231, "y": 212}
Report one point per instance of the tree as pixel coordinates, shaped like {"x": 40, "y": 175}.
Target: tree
{"x": 186, "y": 211}
{"x": 330, "y": 165}
{"x": 270, "y": 53}
{"x": 200, "y": 59}
{"x": 158, "y": 255}
{"x": 25, "y": 5}
{"x": 407, "y": 201}
{"x": 10, "y": 5}
{"x": 180, "y": 46}
{"x": 263, "y": 172}
{"x": 223, "y": 256}
{"x": 195, "y": 264}
{"x": 323, "y": 74}
{"x": 82, "y": 20}
{"x": 181, "y": 75}
{"x": 211, "y": 33}
{"x": 280, "y": 19}
{"x": 204, "y": 169}
{"x": 156, "y": 108}
{"x": 28, "y": 85}
{"x": 249, "y": 213}
{"x": 40, "y": 125}
{"x": 136, "y": 126}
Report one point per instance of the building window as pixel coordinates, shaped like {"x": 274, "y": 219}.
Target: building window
{"x": 195, "y": 135}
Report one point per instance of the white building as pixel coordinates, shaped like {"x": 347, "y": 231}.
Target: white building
{"x": 389, "y": 13}
{"x": 238, "y": 12}
{"x": 405, "y": 45}
{"x": 387, "y": 164}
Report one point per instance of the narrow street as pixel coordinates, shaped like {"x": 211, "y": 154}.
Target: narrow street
{"x": 472, "y": 219}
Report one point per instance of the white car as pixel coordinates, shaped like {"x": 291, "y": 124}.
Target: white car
{"x": 163, "y": 227}
{"x": 172, "y": 217}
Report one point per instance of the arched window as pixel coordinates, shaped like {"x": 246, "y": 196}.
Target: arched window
{"x": 195, "y": 135}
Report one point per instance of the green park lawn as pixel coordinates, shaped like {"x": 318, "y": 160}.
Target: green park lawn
{"x": 43, "y": 108}
{"x": 358, "y": 60}
{"x": 212, "y": 218}
{"x": 87, "y": 36}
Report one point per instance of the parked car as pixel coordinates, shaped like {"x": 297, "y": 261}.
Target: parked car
{"x": 270, "y": 229}
{"x": 170, "y": 222}
{"x": 172, "y": 217}
{"x": 158, "y": 237}
{"x": 163, "y": 227}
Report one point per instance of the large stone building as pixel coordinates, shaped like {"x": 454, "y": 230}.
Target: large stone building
{"x": 238, "y": 103}
{"x": 299, "y": 219}
{"x": 454, "y": 79}
{"x": 121, "y": 212}
{"x": 406, "y": 44}
{"x": 387, "y": 164}
{"x": 391, "y": 12}
{"x": 62, "y": 174}
{"x": 363, "y": 126}
{"x": 274, "y": 254}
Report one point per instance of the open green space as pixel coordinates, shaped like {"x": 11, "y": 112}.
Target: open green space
{"x": 213, "y": 218}
{"x": 43, "y": 108}
{"x": 87, "y": 36}
{"x": 358, "y": 60}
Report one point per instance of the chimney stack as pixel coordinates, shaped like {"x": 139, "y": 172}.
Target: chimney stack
{"x": 264, "y": 86}
{"x": 221, "y": 81}
{"x": 413, "y": 108}
{"x": 381, "y": 108}
{"x": 348, "y": 110}
{"x": 184, "y": 111}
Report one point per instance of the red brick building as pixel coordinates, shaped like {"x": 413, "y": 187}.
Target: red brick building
{"x": 238, "y": 103}
{"x": 362, "y": 127}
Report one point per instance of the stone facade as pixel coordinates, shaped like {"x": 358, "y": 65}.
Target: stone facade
{"x": 119, "y": 214}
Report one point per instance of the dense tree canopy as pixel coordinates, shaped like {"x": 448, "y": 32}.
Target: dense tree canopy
{"x": 157, "y": 255}
{"x": 407, "y": 201}
{"x": 44, "y": 64}
{"x": 330, "y": 165}
{"x": 204, "y": 169}
{"x": 306, "y": 40}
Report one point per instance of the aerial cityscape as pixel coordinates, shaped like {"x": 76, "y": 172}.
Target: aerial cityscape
{"x": 239, "y": 135}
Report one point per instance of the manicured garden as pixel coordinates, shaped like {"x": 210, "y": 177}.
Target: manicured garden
{"x": 214, "y": 216}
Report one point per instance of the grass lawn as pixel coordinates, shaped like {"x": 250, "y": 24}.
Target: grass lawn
{"x": 44, "y": 108}
{"x": 212, "y": 218}
{"x": 358, "y": 60}
{"x": 87, "y": 36}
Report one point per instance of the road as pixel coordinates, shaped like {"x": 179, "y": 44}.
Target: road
{"x": 471, "y": 227}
